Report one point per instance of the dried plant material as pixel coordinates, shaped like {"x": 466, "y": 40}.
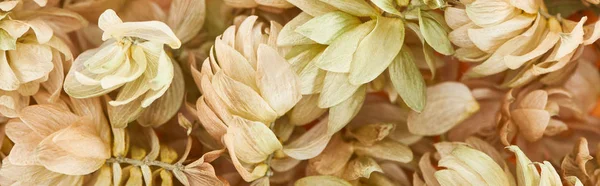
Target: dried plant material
{"x": 306, "y": 110}
{"x": 527, "y": 173}
{"x": 334, "y": 157}
{"x": 574, "y": 164}
{"x": 428, "y": 171}
{"x": 309, "y": 144}
{"x": 538, "y": 112}
{"x": 386, "y": 150}
{"x": 133, "y": 58}
{"x": 186, "y": 18}
{"x": 352, "y": 155}
{"x": 91, "y": 10}
{"x": 272, "y": 5}
{"x": 256, "y": 77}
{"x": 406, "y": 79}
{"x": 326, "y": 180}
{"x": 337, "y": 62}
{"x": 505, "y": 35}
{"x": 361, "y": 71}
{"x": 482, "y": 121}
{"x": 58, "y": 141}
{"x": 253, "y": 141}
{"x": 33, "y": 54}
{"x": 302, "y": 92}
{"x": 369, "y": 134}
{"x": 469, "y": 166}
{"x": 361, "y": 167}
{"x": 448, "y": 104}
{"x": 163, "y": 108}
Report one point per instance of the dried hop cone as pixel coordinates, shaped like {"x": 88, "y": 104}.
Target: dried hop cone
{"x": 57, "y": 145}
{"x": 246, "y": 85}
{"x": 32, "y": 53}
{"x": 340, "y": 46}
{"x": 131, "y": 58}
{"x": 516, "y": 35}
{"x": 478, "y": 163}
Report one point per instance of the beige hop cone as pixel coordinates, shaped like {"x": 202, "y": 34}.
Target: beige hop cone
{"x": 362, "y": 40}
{"x": 131, "y": 58}
{"x": 518, "y": 36}
{"x": 246, "y": 85}
{"x": 535, "y": 111}
{"x": 33, "y": 54}
{"x": 57, "y": 144}
{"x": 351, "y": 160}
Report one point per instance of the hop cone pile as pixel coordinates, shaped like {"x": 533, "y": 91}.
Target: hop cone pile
{"x": 299, "y": 92}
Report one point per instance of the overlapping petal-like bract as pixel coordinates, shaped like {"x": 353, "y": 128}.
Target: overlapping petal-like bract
{"x": 133, "y": 59}
{"x": 467, "y": 164}
{"x": 246, "y": 85}
{"x": 33, "y": 54}
{"x": 515, "y": 36}
{"x": 341, "y": 46}
{"x": 58, "y": 142}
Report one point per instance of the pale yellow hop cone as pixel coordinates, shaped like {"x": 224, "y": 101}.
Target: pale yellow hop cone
{"x": 340, "y": 46}
{"x": 33, "y": 54}
{"x": 467, "y": 166}
{"x": 246, "y": 85}
{"x": 131, "y": 58}
{"x": 477, "y": 163}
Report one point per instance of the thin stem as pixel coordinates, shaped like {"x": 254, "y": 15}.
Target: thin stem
{"x": 144, "y": 162}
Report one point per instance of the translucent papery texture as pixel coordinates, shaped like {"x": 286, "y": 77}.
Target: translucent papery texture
{"x": 337, "y": 63}
{"x": 133, "y": 59}
{"x": 515, "y": 36}
{"x": 536, "y": 111}
{"x": 477, "y": 163}
{"x": 57, "y": 143}
{"x": 371, "y": 146}
{"x": 481, "y": 123}
{"x": 34, "y": 55}
{"x": 246, "y": 85}
{"x": 579, "y": 163}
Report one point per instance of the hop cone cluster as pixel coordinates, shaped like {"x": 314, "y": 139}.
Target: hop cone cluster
{"x": 299, "y": 92}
